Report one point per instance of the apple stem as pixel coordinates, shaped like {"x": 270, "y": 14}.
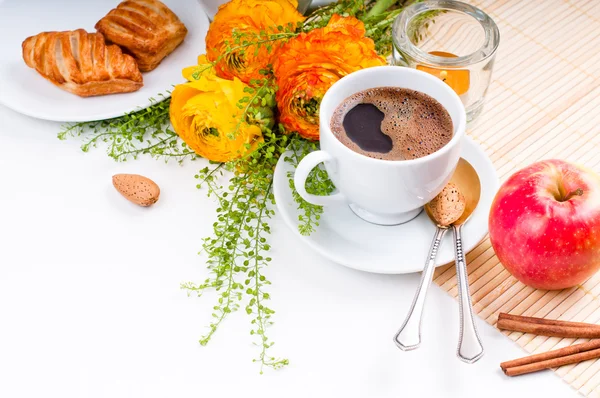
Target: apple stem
{"x": 577, "y": 192}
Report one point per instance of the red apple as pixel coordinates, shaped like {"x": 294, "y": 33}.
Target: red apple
{"x": 545, "y": 224}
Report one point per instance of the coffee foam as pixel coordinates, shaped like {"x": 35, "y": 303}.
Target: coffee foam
{"x": 417, "y": 123}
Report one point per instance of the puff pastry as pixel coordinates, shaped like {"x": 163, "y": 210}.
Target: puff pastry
{"x": 81, "y": 63}
{"x": 147, "y": 29}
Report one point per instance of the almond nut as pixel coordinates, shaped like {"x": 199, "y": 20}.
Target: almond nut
{"x": 136, "y": 188}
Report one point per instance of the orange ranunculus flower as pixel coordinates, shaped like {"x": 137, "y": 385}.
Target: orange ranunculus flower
{"x": 250, "y": 17}
{"x": 205, "y": 114}
{"x": 306, "y": 66}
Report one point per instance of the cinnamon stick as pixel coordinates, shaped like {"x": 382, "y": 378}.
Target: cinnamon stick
{"x": 547, "y": 327}
{"x": 543, "y": 321}
{"x": 519, "y": 364}
{"x": 553, "y": 362}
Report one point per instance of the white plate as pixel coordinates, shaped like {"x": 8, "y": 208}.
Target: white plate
{"x": 348, "y": 240}
{"x": 25, "y": 91}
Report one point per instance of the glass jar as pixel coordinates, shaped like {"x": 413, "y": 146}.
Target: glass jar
{"x": 451, "y": 40}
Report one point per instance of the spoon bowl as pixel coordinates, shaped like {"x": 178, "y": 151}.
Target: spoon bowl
{"x": 466, "y": 179}
{"x": 447, "y": 207}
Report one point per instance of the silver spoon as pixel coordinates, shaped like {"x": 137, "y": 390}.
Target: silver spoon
{"x": 470, "y": 348}
{"x": 443, "y": 210}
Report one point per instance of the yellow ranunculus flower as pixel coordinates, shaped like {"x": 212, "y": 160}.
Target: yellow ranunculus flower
{"x": 205, "y": 114}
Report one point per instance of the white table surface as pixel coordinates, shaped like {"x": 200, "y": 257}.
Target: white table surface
{"x": 90, "y": 304}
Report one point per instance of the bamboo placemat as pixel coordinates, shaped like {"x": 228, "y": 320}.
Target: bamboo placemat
{"x": 543, "y": 103}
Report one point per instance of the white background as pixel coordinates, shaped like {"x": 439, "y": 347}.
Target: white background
{"x": 90, "y": 304}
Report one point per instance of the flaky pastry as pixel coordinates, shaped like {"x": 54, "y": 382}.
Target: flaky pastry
{"x": 82, "y": 63}
{"x": 147, "y": 29}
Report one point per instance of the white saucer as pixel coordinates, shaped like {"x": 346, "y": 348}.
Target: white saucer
{"x": 348, "y": 240}
{"x": 25, "y": 91}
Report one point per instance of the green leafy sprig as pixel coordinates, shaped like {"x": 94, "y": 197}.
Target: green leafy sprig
{"x": 237, "y": 250}
{"x": 264, "y": 38}
{"x": 144, "y": 132}
{"x": 321, "y": 16}
{"x": 317, "y": 183}
{"x": 257, "y": 107}
{"x": 379, "y": 28}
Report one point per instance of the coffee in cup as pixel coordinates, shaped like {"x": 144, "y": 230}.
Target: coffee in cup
{"x": 392, "y": 123}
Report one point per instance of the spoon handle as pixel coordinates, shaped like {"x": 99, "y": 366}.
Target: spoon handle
{"x": 409, "y": 335}
{"x": 470, "y": 348}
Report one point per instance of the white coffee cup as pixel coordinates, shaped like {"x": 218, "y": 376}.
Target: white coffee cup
{"x": 383, "y": 192}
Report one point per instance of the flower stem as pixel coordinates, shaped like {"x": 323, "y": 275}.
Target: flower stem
{"x": 379, "y": 7}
